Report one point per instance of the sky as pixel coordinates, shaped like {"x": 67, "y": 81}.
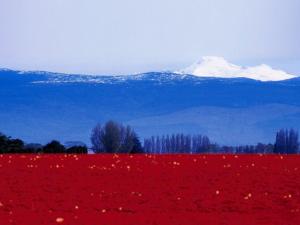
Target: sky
{"x": 122, "y": 37}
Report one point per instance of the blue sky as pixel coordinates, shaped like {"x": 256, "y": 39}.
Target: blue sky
{"x": 117, "y": 36}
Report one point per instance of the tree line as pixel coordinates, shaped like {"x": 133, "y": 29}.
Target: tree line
{"x": 113, "y": 137}
{"x": 286, "y": 142}
{"x": 11, "y": 146}
{"x": 177, "y": 143}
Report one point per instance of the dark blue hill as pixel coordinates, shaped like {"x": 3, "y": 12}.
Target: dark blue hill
{"x": 40, "y": 106}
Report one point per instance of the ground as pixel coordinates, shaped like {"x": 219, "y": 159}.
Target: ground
{"x": 149, "y": 189}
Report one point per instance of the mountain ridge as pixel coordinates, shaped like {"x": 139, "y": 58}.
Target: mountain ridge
{"x": 159, "y": 75}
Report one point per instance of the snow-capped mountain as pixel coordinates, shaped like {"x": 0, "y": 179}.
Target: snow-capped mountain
{"x": 207, "y": 67}
{"x": 211, "y": 66}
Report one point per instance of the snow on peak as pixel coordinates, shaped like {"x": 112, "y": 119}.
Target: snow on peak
{"x": 212, "y": 66}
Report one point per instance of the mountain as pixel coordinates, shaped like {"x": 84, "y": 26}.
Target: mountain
{"x": 212, "y": 66}
{"x": 41, "y": 106}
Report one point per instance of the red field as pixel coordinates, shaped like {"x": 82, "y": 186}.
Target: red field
{"x": 145, "y": 189}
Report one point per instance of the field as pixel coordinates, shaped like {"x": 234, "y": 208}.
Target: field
{"x": 149, "y": 189}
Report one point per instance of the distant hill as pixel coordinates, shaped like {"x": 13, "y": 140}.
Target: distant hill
{"x": 41, "y": 106}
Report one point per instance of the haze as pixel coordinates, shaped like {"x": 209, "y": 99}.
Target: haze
{"x": 121, "y": 37}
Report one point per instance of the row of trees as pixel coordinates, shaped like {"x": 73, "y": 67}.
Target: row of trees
{"x": 180, "y": 143}
{"x": 244, "y": 149}
{"x": 114, "y": 137}
{"x": 287, "y": 142}
{"x": 11, "y": 146}
{"x": 177, "y": 143}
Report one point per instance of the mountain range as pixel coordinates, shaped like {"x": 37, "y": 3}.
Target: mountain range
{"x": 42, "y": 106}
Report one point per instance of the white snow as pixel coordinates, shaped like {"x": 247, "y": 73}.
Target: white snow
{"x": 212, "y": 66}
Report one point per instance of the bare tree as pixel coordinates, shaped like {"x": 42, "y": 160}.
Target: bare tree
{"x": 96, "y": 139}
{"x": 115, "y": 138}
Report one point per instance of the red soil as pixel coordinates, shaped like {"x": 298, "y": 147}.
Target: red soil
{"x": 145, "y": 189}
